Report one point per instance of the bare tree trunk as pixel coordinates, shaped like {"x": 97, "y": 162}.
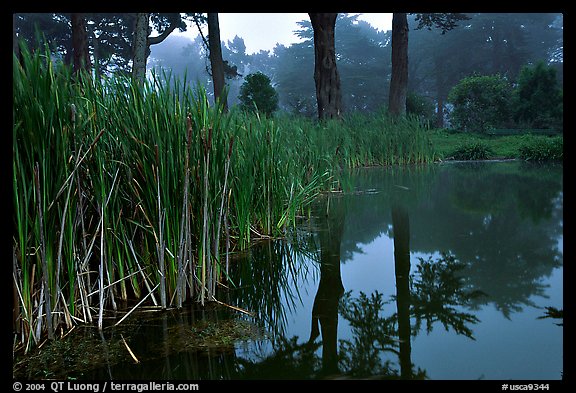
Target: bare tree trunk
{"x": 139, "y": 47}
{"x": 326, "y": 77}
{"x": 80, "y": 43}
{"x": 399, "y": 79}
{"x": 216, "y": 62}
{"x": 143, "y": 41}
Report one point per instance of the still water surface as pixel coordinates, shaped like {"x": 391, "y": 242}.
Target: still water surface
{"x": 439, "y": 272}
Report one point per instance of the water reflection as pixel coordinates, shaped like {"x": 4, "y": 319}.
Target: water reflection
{"x": 433, "y": 294}
{"x": 407, "y": 260}
{"x": 483, "y": 245}
{"x": 502, "y": 220}
{"x": 401, "y": 228}
{"x": 330, "y": 288}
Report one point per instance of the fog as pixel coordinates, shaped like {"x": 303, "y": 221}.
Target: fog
{"x": 484, "y": 44}
{"x": 487, "y": 44}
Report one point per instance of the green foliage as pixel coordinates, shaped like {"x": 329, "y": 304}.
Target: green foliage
{"x": 542, "y": 148}
{"x": 538, "y": 99}
{"x": 442, "y": 21}
{"x": 480, "y": 103}
{"x": 154, "y": 186}
{"x": 257, "y": 94}
{"x": 448, "y": 142}
{"x": 472, "y": 151}
{"x": 420, "y": 106}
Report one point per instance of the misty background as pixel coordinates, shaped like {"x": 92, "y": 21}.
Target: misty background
{"x": 486, "y": 44}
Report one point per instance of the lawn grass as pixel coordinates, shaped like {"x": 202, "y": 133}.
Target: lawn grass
{"x": 447, "y": 142}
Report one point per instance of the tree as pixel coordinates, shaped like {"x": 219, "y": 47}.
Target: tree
{"x": 216, "y": 62}
{"x": 360, "y": 48}
{"x": 39, "y": 29}
{"x": 399, "y": 78}
{"x": 487, "y": 43}
{"x": 165, "y": 23}
{"x": 538, "y": 98}
{"x": 326, "y": 77}
{"x": 364, "y": 78}
{"x": 480, "y": 102}
{"x": 80, "y": 43}
{"x": 440, "y": 61}
{"x": 257, "y": 91}
{"x": 296, "y": 93}
{"x": 141, "y": 31}
{"x": 111, "y": 39}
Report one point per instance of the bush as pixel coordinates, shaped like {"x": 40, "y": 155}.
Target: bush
{"x": 472, "y": 151}
{"x": 257, "y": 94}
{"x": 481, "y": 103}
{"x": 542, "y": 148}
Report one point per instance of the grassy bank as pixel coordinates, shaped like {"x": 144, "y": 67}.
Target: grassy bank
{"x": 453, "y": 144}
{"x": 125, "y": 194}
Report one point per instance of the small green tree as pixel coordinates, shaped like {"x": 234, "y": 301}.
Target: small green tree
{"x": 420, "y": 106}
{"x": 538, "y": 99}
{"x": 257, "y": 93}
{"x": 481, "y": 102}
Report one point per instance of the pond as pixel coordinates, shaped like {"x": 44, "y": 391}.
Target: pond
{"x": 452, "y": 271}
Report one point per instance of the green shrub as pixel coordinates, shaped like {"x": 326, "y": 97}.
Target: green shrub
{"x": 542, "y": 148}
{"x": 472, "y": 151}
{"x": 481, "y": 103}
{"x": 257, "y": 93}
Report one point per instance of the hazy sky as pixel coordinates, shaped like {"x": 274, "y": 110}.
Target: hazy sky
{"x": 263, "y": 31}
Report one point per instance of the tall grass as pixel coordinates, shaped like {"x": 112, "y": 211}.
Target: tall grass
{"x": 124, "y": 191}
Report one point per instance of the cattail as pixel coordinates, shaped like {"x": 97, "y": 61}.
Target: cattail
{"x": 73, "y": 113}
{"x": 230, "y": 147}
{"x": 189, "y": 135}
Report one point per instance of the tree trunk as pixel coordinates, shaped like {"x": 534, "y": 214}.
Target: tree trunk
{"x": 399, "y": 79}
{"x": 216, "y": 62}
{"x": 140, "y": 46}
{"x": 328, "y": 94}
{"x": 80, "y": 43}
{"x": 440, "y": 71}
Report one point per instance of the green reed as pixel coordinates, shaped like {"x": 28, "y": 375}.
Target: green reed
{"x": 145, "y": 190}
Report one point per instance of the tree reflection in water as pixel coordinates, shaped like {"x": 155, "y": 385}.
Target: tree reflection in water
{"x": 435, "y": 293}
{"x": 456, "y": 208}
